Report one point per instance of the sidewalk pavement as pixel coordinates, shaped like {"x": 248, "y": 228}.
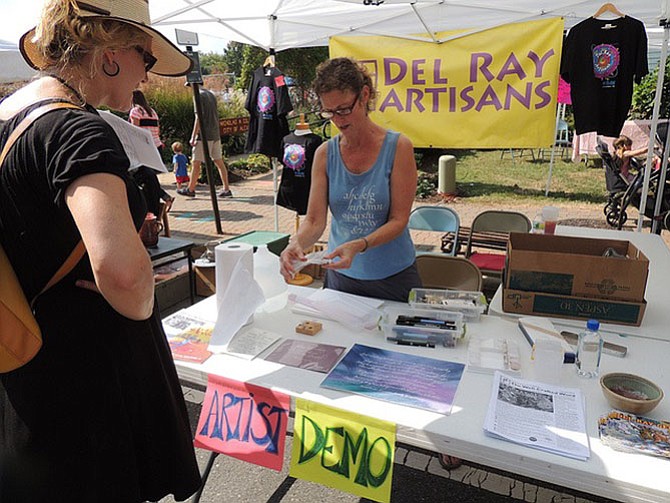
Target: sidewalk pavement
{"x": 251, "y": 209}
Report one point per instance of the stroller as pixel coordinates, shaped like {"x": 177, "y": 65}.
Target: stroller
{"x": 623, "y": 193}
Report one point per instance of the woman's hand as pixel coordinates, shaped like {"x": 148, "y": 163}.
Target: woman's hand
{"x": 345, "y": 254}
{"x": 292, "y": 253}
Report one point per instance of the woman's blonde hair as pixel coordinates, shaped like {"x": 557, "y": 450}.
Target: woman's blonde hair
{"x": 64, "y": 38}
{"x": 343, "y": 74}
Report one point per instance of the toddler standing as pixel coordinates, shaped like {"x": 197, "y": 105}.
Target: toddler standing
{"x": 180, "y": 163}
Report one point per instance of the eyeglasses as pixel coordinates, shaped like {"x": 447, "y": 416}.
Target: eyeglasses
{"x": 149, "y": 59}
{"x": 329, "y": 114}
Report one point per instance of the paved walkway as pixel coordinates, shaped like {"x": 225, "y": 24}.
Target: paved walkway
{"x": 252, "y": 209}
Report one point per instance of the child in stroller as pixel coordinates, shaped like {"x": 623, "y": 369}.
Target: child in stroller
{"x": 623, "y": 186}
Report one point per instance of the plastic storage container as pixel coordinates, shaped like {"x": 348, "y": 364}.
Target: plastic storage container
{"x": 471, "y": 304}
{"x": 423, "y": 327}
{"x": 266, "y": 272}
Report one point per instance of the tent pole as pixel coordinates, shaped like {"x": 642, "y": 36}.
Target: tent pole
{"x": 553, "y": 151}
{"x": 654, "y": 124}
{"x": 660, "y": 189}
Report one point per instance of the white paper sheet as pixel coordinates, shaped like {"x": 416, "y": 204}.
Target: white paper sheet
{"x": 137, "y": 142}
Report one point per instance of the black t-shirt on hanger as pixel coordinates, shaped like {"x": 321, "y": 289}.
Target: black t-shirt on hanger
{"x": 601, "y": 58}
{"x": 268, "y": 102}
{"x": 296, "y": 177}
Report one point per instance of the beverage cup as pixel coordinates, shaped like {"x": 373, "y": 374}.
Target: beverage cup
{"x": 550, "y": 219}
{"x": 547, "y": 360}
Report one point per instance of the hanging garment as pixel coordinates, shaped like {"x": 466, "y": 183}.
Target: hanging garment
{"x": 601, "y": 58}
{"x": 296, "y": 177}
{"x": 268, "y": 102}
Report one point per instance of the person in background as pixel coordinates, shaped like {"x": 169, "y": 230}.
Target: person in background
{"x": 366, "y": 176}
{"x": 210, "y": 124}
{"x": 142, "y": 115}
{"x": 180, "y": 164}
{"x": 98, "y": 414}
{"x": 623, "y": 155}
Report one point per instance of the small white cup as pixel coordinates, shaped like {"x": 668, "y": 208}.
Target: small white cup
{"x": 547, "y": 360}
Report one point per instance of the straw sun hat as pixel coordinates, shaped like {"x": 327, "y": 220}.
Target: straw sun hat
{"x": 171, "y": 61}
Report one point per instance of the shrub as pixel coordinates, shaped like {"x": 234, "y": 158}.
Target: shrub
{"x": 645, "y": 92}
{"x": 426, "y": 185}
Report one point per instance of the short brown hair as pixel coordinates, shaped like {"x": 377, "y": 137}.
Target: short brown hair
{"x": 177, "y": 147}
{"x": 343, "y": 74}
{"x": 622, "y": 141}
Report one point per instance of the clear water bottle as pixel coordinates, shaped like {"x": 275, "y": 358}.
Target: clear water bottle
{"x": 589, "y": 349}
{"x": 266, "y": 272}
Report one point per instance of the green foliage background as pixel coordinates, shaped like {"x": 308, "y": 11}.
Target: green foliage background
{"x": 645, "y": 92}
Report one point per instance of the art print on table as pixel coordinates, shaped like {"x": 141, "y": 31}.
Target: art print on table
{"x": 244, "y": 421}
{"x": 306, "y": 355}
{"x": 188, "y": 337}
{"x": 425, "y": 383}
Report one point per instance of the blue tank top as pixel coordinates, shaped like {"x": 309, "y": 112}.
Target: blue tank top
{"x": 359, "y": 205}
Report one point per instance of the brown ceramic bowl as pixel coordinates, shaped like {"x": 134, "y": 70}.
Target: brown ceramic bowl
{"x": 630, "y": 393}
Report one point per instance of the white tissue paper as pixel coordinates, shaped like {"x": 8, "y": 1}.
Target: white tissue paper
{"x": 237, "y": 293}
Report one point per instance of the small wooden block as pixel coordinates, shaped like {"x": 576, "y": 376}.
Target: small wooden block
{"x": 308, "y": 327}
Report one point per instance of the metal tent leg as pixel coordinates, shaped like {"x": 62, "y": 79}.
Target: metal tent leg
{"x": 205, "y": 476}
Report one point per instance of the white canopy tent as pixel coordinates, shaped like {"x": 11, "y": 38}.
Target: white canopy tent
{"x": 12, "y": 66}
{"x": 282, "y": 24}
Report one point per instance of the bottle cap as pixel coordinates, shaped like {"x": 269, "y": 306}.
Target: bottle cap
{"x": 593, "y": 325}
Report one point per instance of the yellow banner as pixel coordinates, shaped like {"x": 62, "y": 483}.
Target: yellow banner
{"x": 346, "y": 451}
{"x": 491, "y": 89}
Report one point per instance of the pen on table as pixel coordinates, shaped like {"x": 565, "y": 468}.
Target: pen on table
{"x": 425, "y": 320}
{"x": 438, "y": 324}
{"x": 405, "y": 342}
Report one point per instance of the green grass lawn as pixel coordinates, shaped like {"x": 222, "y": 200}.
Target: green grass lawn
{"x": 481, "y": 176}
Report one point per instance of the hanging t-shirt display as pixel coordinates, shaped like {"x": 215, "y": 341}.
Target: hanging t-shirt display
{"x": 601, "y": 58}
{"x": 298, "y": 155}
{"x": 268, "y": 102}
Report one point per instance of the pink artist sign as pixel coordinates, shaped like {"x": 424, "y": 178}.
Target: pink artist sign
{"x": 244, "y": 421}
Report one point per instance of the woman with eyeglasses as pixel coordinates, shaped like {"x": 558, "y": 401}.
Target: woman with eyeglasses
{"x": 366, "y": 176}
{"x": 98, "y": 413}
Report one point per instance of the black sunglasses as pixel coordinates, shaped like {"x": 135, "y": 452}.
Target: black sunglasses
{"x": 329, "y": 114}
{"x": 149, "y": 59}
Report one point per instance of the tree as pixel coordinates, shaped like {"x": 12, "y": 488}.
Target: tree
{"x": 211, "y": 63}
{"x": 253, "y": 58}
{"x": 234, "y": 57}
{"x": 300, "y": 64}
{"x": 645, "y": 92}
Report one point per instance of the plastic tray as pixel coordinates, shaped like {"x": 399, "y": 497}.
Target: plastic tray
{"x": 425, "y": 331}
{"x": 471, "y": 304}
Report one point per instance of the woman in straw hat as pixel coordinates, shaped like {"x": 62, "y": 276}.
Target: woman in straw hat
{"x": 98, "y": 414}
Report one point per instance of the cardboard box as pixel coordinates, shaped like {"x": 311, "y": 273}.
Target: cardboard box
{"x": 205, "y": 281}
{"x": 569, "y": 266}
{"x": 565, "y": 306}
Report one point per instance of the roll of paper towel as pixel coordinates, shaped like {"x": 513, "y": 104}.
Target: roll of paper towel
{"x": 227, "y": 256}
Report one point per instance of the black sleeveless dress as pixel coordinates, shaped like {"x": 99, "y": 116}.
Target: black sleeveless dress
{"x": 98, "y": 415}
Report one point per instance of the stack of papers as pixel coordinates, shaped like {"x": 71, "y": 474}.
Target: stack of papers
{"x": 188, "y": 336}
{"x": 538, "y": 415}
{"x": 353, "y": 311}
